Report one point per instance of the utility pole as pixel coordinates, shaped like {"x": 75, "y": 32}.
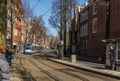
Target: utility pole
{"x": 9, "y": 34}
{"x": 107, "y": 19}
{"x": 73, "y": 55}
{"x": 107, "y": 63}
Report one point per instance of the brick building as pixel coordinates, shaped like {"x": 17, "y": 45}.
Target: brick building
{"x": 93, "y": 26}
{"x": 114, "y": 19}
{"x": 17, "y": 15}
{"x": 92, "y": 29}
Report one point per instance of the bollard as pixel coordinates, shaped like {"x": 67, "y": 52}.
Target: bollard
{"x": 73, "y": 58}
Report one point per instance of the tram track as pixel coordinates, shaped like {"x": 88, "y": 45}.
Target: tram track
{"x": 25, "y": 75}
{"x": 72, "y": 72}
{"x": 39, "y": 68}
{"x": 45, "y": 72}
{"x": 64, "y": 71}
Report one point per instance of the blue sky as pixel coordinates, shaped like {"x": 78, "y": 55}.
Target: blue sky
{"x": 44, "y": 7}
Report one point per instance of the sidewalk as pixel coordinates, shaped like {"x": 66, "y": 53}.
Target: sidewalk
{"x": 89, "y": 66}
{"x": 15, "y": 73}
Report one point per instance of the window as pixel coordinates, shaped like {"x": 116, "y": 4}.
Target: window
{"x": 14, "y": 18}
{"x": 80, "y": 31}
{"x": 86, "y": 44}
{"x": 87, "y": 29}
{"x": 94, "y": 9}
{"x": 82, "y": 43}
{"x": 83, "y": 30}
{"x": 15, "y": 31}
{"x": 94, "y": 25}
{"x": 22, "y": 39}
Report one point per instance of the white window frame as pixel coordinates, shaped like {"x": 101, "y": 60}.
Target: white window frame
{"x": 94, "y": 25}
{"x": 15, "y": 31}
{"x": 94, "y": 9}
{"x": 87, "y": 29}
{"x": 83, "y": 30}
{"x": 86, "y": 44}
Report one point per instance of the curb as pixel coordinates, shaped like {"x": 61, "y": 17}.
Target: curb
{"x": 110, "y": 73}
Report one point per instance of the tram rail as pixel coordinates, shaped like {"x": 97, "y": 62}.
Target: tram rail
{"x": 26, "y": 76}
{"x": 45, "y": 72}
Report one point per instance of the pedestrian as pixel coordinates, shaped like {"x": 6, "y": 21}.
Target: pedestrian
{"x": 112, "y": 56}
{"x": 9, "y": 55}
{"x": 4, "y": 66}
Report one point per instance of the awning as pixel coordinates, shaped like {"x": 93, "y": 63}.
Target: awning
{"x": 111, "y": 40}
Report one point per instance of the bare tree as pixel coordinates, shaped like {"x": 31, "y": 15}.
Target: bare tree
{"x": 28, "y": 11}
{"x": 3, "y": 18}
{"x": 61, "y": 15}
{"x": 38, "y": 28}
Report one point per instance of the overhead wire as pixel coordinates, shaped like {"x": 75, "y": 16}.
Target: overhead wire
{"x": 34, "y": 6}
{"x": 48, "y": 10}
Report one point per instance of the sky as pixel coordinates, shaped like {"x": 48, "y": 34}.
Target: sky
{"x": 43, "y": 7}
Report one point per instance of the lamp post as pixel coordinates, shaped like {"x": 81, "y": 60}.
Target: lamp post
{"x": 107, "y": 59}
{"x": 107, "y": 5}
{"x": 107, "y": 19}
{"x": 9, "y": 32}
{"x": 73, "y": 41}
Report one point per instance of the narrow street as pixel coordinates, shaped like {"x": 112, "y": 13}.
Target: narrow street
{"x": 60, "y": 40}
{"x": 38, "y": 68}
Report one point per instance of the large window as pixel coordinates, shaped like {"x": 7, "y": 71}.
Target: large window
{"x": 15, "y": 31}
{"x": 86, "y": 44}
{"x": 94, "y": 25}
{"x": 84, "y": 30}
{"x": 94, "y": 9}
{"x": 84, "y": 15}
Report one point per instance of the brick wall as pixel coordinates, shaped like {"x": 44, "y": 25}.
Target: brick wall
{"x": 114, "y": 18}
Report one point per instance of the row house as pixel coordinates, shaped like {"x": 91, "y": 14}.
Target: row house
{"x": 17, "y": 18}
{"x": 11, "y": 14}
{"x": 93, "y": 26}
{"x": 91, "y": 29}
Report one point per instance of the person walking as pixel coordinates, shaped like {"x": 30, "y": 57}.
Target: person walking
{"x": 4, "y": 66}
{"x": 112, "y": 56}
{"x": 8, "y": 55}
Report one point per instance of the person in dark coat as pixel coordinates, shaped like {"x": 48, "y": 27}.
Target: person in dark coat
{"x": 112, "y": 56}
{"x": 9, "y": 55}
{"x": 4, "y": 66}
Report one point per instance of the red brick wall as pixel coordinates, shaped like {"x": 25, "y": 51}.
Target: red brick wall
{"x": 17, "y": 38}
{"x": 114, "y": 18}
{"x": 95, "y": 45}
{"x": 17, "y": 24}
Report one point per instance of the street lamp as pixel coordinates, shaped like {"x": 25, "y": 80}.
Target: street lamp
{"x": 107, "y": 19}
{"x": 9, "y": 32}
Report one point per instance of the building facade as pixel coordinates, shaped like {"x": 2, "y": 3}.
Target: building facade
{"x": 97, "y": 20}
{"x": 17, "y": 16}
{"x": 114, "y": 19}
{"x": 92, "y": 29}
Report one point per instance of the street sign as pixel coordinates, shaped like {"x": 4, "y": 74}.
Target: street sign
{"x": 8, "y": 41}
